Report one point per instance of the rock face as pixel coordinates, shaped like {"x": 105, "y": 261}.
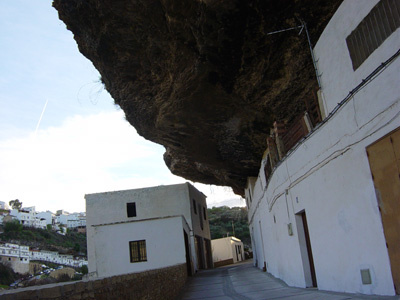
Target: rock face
{"x": 202, "y": 77}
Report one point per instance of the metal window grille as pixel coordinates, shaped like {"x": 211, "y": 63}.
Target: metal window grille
{"x": 373, "y": 30}
{"x": 138, "y": 251}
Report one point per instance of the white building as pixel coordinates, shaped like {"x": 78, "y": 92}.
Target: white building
{"x": 150, "y": 228}
{"x": 16, "y": 256}
{"x": 76, "y": 220}
{"x": 55, "y": 257}
{"x": 70, "y": 220}
{"x": 48, "y": 216}
{"x": 27, "y": 216}
{"x": 3, "y": 205}
{"x": 227, "y": 250}
{"x": 327, "y": 214}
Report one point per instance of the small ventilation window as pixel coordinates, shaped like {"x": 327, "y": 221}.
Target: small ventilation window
{"x": 373, "y": 30}
{"x": 131, "y": 209}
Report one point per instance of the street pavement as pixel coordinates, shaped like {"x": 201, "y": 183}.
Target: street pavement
{"x": 244, "y": 282}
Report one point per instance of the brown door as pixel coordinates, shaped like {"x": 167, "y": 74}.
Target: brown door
{"x": 309, "y": 249}
{"x": 384, "y": 160}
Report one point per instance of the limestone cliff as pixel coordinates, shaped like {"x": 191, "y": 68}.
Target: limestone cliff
{"x": 202, "y": 77}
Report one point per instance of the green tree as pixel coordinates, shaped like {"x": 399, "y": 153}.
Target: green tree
{"x": 84, "y": 269}
{"x": 15, "y": 204}
{"x": 77, "y": 247}
{"x": 229, "y": 221}
{"x": 7, "y": 275}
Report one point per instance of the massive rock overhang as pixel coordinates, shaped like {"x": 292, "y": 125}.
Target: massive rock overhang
{"x": 203, "y": 78}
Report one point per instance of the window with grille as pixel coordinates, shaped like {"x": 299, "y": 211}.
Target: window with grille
{"x": 137, "y": 251}
{"x": 373, "y": 30}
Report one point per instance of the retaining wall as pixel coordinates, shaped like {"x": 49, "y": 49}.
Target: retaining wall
{"x": 158, "y": 284}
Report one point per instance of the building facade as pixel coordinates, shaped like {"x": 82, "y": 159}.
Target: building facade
{"x": 144, "y": 229}
{"x": 327, "y": 213}
{"x": 16, "y": 256}
{"x": 55, "y": 257}
{"x": 227, "y": 250}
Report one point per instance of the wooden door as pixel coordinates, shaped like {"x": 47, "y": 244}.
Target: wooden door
{"x": 309, "y": 249}
{"x": 384, "y": 160}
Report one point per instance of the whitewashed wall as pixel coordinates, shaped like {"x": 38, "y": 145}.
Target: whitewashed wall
{"x": 153, "y": 203}
{"x": 329, "y": 177}
{"x": 164, "y": 244}
{"x": 224, "y": 249}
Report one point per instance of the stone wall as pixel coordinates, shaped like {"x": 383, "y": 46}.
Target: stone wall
{"x": 223, "y": 263}
{"x": 163, "y": 283}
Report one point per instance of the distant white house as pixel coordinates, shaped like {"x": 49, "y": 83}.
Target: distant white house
{"x": 3, "y": 205}
{"x": 76, "y": 220}
{"x": 227, "y": 250}
{"x": 27, "y": 217}
{"x": 48, "y": 216}
{"x": 150, "y": 228}
{"x": 16, "y": 256}
{"x": 55, "y": 257}
{"x": 72, "y": 220}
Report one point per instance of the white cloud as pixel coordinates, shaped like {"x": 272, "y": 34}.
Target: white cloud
{"x": 55, "y": 168}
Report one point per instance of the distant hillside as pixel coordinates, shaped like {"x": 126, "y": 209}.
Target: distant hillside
{"x": 221, "y": 220}
{"x": 72, "y": 243}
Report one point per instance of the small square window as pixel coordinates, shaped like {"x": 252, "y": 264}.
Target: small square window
{"x": 137, "y": 250}
{"x": 131, "y": 209}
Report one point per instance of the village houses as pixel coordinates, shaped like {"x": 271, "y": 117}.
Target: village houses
{"x": 324, "y": 210}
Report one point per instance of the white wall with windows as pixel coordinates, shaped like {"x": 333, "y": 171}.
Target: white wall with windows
{"x": 17, "y": 256}
{"x": 326, "y": 181}
{"x": 164, "y": 246}
{"x": 111, "y": 217}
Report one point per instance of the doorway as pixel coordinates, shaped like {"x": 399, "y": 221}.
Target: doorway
{"x": 199, "y": 252}
{"x": 384, "y": 161}
{"x": 187, "y": 251}
{"x": 306, "y": 249}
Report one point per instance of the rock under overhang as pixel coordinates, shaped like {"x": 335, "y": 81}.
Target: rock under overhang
{"x": 203, "y": 78}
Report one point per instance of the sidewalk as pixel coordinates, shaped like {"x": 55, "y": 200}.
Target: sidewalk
{"x": 245, "y": 282}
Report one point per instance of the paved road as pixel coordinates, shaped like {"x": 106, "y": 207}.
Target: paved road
{"x": 245, "y": 282}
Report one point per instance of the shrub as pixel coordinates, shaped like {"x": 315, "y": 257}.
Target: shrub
{"x": 13, "y": 226}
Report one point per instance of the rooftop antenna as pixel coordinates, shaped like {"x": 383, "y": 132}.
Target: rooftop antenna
{"x": 301, "y": 27}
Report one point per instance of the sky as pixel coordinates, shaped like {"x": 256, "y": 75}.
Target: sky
{"x": 61, "y": 135}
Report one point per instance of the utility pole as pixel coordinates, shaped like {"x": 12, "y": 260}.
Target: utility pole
{"x": 233, "y": 228}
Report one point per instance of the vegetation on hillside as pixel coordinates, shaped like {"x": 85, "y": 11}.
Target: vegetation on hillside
{"x": 7, "y": 275}
{"x": 225, "y": 221}
{"x": 44, "y": 239}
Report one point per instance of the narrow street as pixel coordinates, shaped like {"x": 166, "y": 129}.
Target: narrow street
{"x": 245, "y": 282}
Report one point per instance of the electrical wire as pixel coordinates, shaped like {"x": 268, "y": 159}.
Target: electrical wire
{"x": 374, "y": 74}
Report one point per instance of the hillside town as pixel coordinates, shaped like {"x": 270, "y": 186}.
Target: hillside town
{"x": 19, "y": 256}
{"x": 28, "y": 216}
